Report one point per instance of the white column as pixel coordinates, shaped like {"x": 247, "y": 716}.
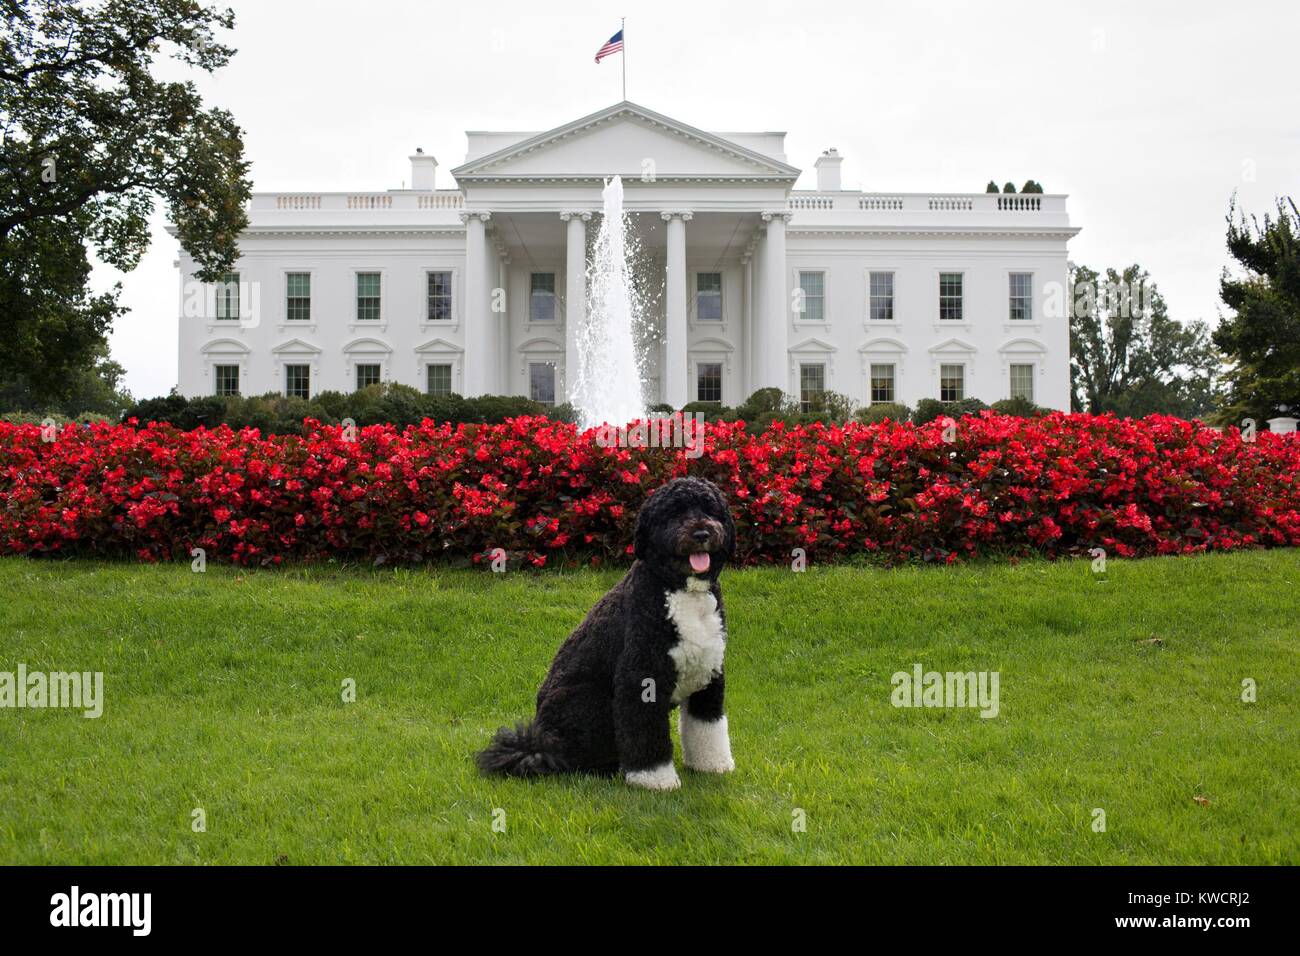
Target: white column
{"x": 746, "y": 326}
{"x": 479, "y": 361}
{"x": 675, "y": 383}
{"x": 771, "y": 338}
{"x": 503, "y": 346}
{"x": 575, "y": 293}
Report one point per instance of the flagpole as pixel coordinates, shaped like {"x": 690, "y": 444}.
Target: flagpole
{"x": 623, "y": 29}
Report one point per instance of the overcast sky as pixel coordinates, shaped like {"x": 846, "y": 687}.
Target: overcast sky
{"x": 1149, "y": 115}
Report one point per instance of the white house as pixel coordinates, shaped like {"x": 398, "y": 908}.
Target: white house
{"x": 881, "y": 296}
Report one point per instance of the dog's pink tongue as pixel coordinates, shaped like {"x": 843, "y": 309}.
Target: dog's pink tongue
{"x": 700, "y": 562}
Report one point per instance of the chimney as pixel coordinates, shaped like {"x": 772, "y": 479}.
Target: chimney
{"x": 422, "y": 170}
{"x": 828, "y": 171}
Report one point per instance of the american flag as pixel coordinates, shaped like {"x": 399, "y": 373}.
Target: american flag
{"x": 613, "y": 45}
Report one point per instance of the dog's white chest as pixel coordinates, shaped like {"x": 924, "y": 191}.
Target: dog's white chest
{"x": 701, "y": 641}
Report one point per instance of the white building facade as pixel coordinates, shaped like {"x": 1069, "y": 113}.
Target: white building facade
{"x": 478, "y": 289}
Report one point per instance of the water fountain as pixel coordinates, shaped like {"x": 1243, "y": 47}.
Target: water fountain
{"x": 608, "y": 386}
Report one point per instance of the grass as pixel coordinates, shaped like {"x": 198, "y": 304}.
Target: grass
{"x": 223, "y": 692}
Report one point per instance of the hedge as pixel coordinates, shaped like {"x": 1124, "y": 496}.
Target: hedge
{"x": 547, "y": 493}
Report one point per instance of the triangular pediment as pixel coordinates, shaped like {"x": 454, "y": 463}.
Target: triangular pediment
{"x": 813, "y": 345}
{"x": 953, "y": 345}
{"x": 296, "y": 347}
{"x": 438, "y": 346}
{"x": 630, "y": 141}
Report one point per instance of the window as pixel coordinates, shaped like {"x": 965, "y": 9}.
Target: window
{"x": 541, "y": 299}
{"x": 297, "y": 381}
{"x": 882, "y": 383}
{"x": 228, "y": 298}
{"x": 367, "y": 374}
{"x": 227, "y": 377}
{"x": 813, "y": 285}
{"x": 541, "y": 382}
{"x": 708, "y": 382}
{"x": 297, "y": 306}
{"x": 708, "y": 297}
{"x": 882, "y": 297}
{"x": 439, "y": 297}
{"x": 950, "y": 297}
{"x": 368, "y": 296}
{"x": 952, "y": 383}
{"x": 1022, "y": 382}
{"x": 438, "y": 379}
{"x": 812, "y": 385}
{"x": 1022, "y": 296}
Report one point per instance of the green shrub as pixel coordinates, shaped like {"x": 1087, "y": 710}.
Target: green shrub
{"x": 928, "y": 409}
{"x": 167, "y": 408}
{"x": 1009, "y": 188}
{"x": 992, "y": 187}
{"x": 764, "y": 400}
{"x": 1019, "y": 406}
{"x": 880, "y": 411}
{"x": 712, "y": 411}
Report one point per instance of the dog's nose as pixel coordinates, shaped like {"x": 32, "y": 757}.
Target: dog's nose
{"x": 701, "y": 536}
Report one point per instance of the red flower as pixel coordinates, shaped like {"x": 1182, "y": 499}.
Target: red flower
{"x": 1061, "y": 484}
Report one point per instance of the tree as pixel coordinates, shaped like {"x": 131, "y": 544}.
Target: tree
{"x": 96, "y": 388}
{"x": 1261, "y": 339}
{"x": 1031, "y": 186}
{"x": 992, "y": 187}
{"x": 1009, "y": 188}
{"x": 1128, "y": 356}
{"x": 89, "y": 141}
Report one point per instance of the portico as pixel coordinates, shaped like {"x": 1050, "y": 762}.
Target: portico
{"x": 698, "y": 203}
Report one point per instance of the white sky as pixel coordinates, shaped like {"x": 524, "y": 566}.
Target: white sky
{"x": 1150, "y": 115}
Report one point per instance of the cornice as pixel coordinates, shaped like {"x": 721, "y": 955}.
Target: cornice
{"x": 278, "y": 232}
{"x": 609, "y": 115}
{"x": 629, "y": 179}
{"x": 936, "y": 232}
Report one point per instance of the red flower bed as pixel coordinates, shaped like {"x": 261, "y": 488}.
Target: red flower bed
{"x": 546, "y": 493}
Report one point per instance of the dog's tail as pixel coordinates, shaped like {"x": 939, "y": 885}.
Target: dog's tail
{"x": 521, "y": 751}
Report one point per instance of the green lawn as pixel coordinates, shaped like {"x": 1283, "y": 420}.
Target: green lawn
{"x": 223, "y": 692}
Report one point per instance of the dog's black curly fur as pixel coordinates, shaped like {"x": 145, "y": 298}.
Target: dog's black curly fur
{"x": 591, "y": 713}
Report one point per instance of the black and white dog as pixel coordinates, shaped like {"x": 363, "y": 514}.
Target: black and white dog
{"x": 654, "y": 641}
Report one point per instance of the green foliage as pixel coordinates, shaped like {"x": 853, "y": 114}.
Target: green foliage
{"x": 91, "y": 138}
{"x": 1128, "y": 356}
{"x": 992, "y": 187}
{"x": 1019, "y": 406}
{"x": 928, "y": 409}
{"x": 1031, "y": 186}
{"x": 882, "y": 411}
{"x": 712, "y": 411}
{"x": 96, "y": 387}
{"x": 762, "y": 401}
{"x": 1261, "y": 338}
{"x": 1009, "y": 188}
{"x": 826, "y": 407}
{"x": 386, "y": 403}
{"x": 40, "y": 418}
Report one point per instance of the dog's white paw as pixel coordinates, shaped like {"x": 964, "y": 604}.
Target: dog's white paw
{"x": 706, "y": 745}
{"x": 718, "y": 765}
{"x": 656, "y": 778}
